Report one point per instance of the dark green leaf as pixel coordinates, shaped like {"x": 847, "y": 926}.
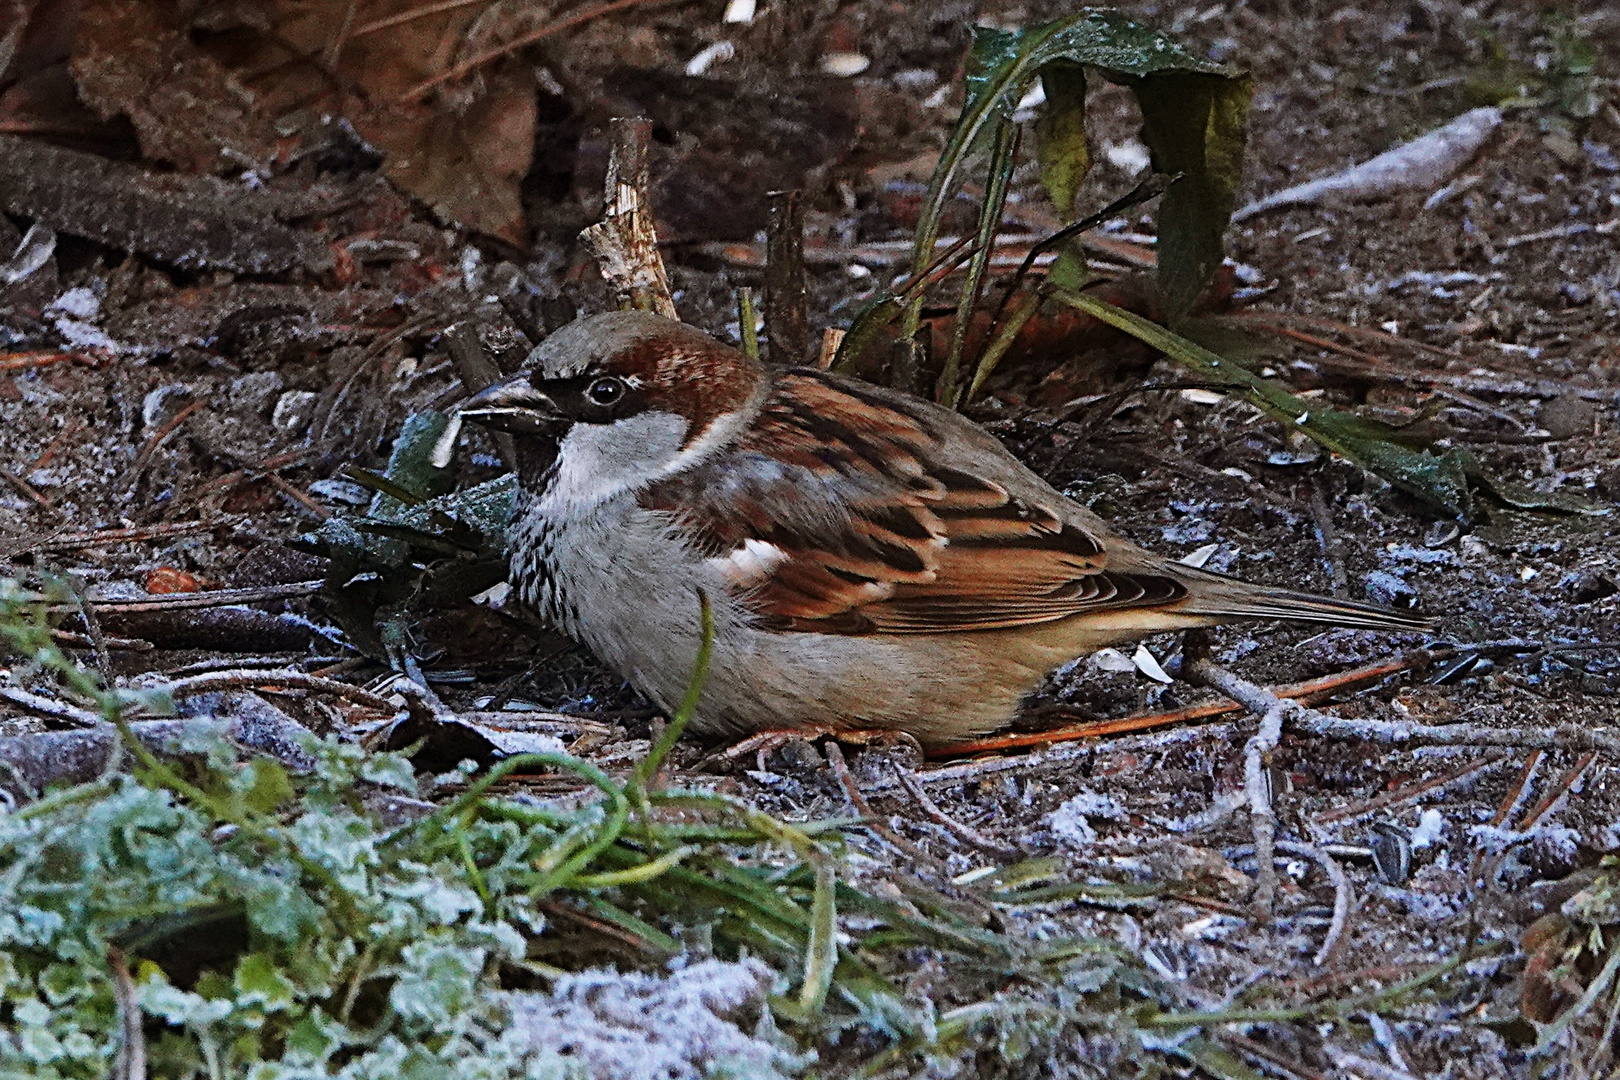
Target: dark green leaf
{"x": 1439, "y": 480}
{"x": 264, "y": 785}
{"x": 1216, "y": 1060}
{"x": 995, "y": 198}
{"x": 410, "y": 465}
{"x": 1060, "y": 135}
{"x": 1522, "y": 496}
{"x": 1193, "y": 110}
{"x": 258, "y": 980}
{"x": 1003, "y": 63}
{"x": 1193, "y": 123}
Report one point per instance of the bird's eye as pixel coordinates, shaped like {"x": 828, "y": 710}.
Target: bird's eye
{"x": 605, "y": 391}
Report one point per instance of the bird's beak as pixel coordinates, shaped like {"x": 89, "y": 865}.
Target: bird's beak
{"x": 513, "y": 405}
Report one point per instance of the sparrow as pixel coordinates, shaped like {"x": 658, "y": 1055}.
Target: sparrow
{"x": 873, "y": 561}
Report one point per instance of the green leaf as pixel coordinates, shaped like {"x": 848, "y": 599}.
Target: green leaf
{"x": 1439, "y": 480}
{"x": 995, "y": 198}
{"x": 313, "y": 1039}
{"x": 257, "y": 980}
{"x": 1193, "y": 111}
{"x": 1060, "y": 135}
{"x": 374, "y": 559}
{"x": 262, "y": 785}
{"x": 1522, "y": 496}
{"x": 1216, "y": 1060}
{"x": 1193, "y": 124}
{"x": 1001, "y": 64}
{"x": 821, "y": 952}
{"x": 410, "y": 465}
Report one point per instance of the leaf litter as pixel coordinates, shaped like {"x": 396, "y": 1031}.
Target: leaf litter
{"x": 1157, "y": 776}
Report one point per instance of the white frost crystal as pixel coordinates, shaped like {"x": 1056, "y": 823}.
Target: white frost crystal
{"x": 635, "y": 1026}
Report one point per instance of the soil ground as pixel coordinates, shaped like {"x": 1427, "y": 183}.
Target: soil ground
{"x": 1524, "y": 307}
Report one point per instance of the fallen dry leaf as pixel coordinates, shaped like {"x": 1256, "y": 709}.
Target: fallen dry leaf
{"x": 132, "y": 59}
{"x": 164, "y": 580}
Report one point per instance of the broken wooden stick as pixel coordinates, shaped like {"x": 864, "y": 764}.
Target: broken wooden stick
{"x": 1310, "y": 690}
{"x": 625, "y": 242}
{"x": 31, "y": 763}
{"x": 1258, "y": 700}
{"x": 787, "y": 320}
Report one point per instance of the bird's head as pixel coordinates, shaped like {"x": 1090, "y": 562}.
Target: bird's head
{"x": 619, "y": 400}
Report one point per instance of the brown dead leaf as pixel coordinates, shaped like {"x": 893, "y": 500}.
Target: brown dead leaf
{"x": 466, "y": 167}
{"x": 132, "y": 59}
{"x": 162, "y": 580}
{"x": 462, "y": 152}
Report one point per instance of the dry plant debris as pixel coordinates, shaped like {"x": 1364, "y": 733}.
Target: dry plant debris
{"x": 245, "y": 244}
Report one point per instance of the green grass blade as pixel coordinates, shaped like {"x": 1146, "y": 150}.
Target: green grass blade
{"x": 949, "y": 390}
{"x": 821, "y": 953}
{"x": 648, "y": 766}
{"x": 1437, "y": 480}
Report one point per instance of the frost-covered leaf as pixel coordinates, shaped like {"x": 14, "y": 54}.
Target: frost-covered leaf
{"x": 258, "y": 982}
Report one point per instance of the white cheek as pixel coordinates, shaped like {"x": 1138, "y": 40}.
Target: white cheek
{"x": 598, "y": 461}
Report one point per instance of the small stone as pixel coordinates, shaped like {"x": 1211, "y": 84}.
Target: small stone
{"x": 1575, "y": 294}
{"x": 1441, "y": 533}
{"x": 1601, "y": 155}
{"x": 1387, "y": 589}
{"x": 916, "y": 79}
{"x": 294, "y": 411}
{"x": 844, "y": 64}
{"x": 1566, "y": 416}
{"x": 1562, "y": 147}
{"x": 340, "y": 491}
{"x": 1590, "y": 586}
{"x": 251, "y": 394}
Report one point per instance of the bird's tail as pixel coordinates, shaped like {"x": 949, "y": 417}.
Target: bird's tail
{"x": 1219, "y": 597}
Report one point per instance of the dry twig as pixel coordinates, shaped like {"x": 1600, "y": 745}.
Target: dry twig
{"x": 157, "y": 439}
{"x": 29, "y": 361}
{"x": 1477, "y": 379}
{"x": 1332, "y": 547}
{"x": 131, "y": 1061}
{"x": 287, "y": 679}
{"x": 567, "y": 22}
{"x": 205, "y": 599}
{"x": 1310, "y": 690}
{"x": 1510, "y": 803}
{"x": 971, "y": 837}
{"x": 852, "y": 791}
{"x": 625, "y": 242}
{"x": 49, "y": 708}
{"x": 1259, "y": 700}
{"x": 1555, "y": 794}
{"x": 1433, "y": 785}
{"x": 34, "y": 495}
{"x": 99, "y": 537}
{"x": 1344, "y": 897}
{"x": 787, "y": 322}
{"x": 831, "y": 338}
{"x": 1262, "y": 816}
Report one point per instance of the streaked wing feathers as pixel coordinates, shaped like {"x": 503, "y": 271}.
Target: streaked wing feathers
{"x": 834, "y": 515}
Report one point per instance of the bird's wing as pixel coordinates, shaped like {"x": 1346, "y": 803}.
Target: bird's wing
{"x": 835, "y": 513}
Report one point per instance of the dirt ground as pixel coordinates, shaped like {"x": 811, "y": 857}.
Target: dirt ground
{"x": 213, "y": 412}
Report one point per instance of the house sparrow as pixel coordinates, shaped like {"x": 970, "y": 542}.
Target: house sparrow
{"x": 873, "y": 561}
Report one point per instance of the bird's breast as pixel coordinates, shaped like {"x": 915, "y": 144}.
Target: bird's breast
{"x": 532, "y": 552}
